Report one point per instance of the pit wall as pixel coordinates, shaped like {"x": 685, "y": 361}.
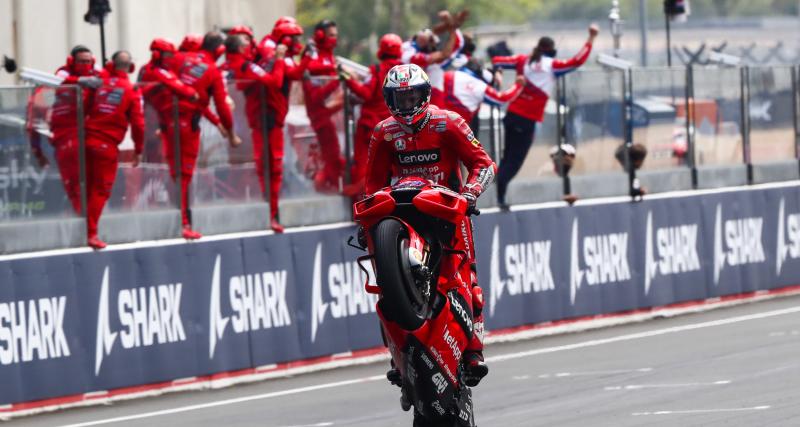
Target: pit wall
{"x": 74, "y": 322}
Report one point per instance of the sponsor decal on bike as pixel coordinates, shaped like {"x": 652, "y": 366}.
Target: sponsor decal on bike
{"x": 527, "y": 266}
{"x": 736, "y": 242}
{"x": 459, "y": 307}
{"x": 33, "y": 330}
{"x": 438, "y": 407}
{"x": 345, "y": 285}
{"x": 672, "y": 251}
{"x": 148, "y": 316}
{"x": 604, "y": 257}
{"x": 440, "y": 383}
{"x": 257, "y": 302}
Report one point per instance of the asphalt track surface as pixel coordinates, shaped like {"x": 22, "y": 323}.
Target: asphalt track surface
{"x": 738, "y": 366}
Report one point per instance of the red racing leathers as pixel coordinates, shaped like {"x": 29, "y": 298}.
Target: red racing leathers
{"x": 64, "y": 125}
{"x": 254, "y": 81}
{"x": 162, "y": 89}
{"x": 198, "y": 70}
{"x": 373, "y": 110}
{"x": 114, "y": 106}
{"x": 319, "y": 83}
{"x": 435, "y": 153}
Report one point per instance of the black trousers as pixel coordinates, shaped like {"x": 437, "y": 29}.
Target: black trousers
{"x": 518, "y": 140}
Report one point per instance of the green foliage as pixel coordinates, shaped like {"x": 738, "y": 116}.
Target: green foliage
{"x": 361, "y": 22}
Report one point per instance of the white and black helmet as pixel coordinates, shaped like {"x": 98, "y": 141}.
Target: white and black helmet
{"x": 407, "y": 92}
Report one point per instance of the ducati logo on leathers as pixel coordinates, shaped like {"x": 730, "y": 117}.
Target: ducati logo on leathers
{"x": 148, "y": 316}
{"x": 788, "y": 237}
{"x": 527, "y": 266}
{"x": 672, "y": 251}
{"x": 605, "y": 257}
{"x": 741, "y": 243}
{"x": 258, "y": 302}
{"x": 345, "y": 284}
{"x": 420, "y": 157}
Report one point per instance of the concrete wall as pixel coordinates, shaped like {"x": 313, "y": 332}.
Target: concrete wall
{"x": 45, "y": 30}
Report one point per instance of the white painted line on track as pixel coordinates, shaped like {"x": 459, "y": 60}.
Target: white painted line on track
{"x": 593, "y": 373}
{"x": 646, "y": 334}
{"x": 702, "y": 411}
{"x": 314, "y": 425}
{"x": 678, "y": 385}
{"x": 229, "y": 402}
{"x": 498, "y": 358}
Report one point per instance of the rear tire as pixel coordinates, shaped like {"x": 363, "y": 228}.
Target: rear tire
{"x": 402, "y": 301}
{"x": 421, "y": 421}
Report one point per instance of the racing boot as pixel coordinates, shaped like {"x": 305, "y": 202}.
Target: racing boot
{"x": 95, "y": 243}
{"x": 276, "y": 226}
{"x": 190, "y": 234}
{"x": 474, "y": 367}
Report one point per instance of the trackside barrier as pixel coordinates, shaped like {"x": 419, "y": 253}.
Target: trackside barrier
{"x": 81, "y": 322}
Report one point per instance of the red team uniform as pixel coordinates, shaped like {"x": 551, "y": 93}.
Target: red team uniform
{"x": 64, "y": 125}
{"x": 374, "y": 109}
{"x": 114, "y": 106}
{"x": 319, "y": 62}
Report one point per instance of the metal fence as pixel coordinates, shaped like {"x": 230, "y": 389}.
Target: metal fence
{"x": 687, "y": 118}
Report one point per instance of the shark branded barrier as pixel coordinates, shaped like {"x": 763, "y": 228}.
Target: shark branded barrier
{"x": 82, "y": 322}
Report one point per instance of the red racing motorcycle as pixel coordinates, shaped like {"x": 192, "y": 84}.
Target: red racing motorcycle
{"x": 426, "y": 323}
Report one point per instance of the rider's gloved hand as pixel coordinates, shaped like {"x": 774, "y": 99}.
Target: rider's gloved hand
{"x": 471, "y": 193}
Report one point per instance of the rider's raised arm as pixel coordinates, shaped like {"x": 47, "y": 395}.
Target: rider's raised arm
{"x": 379, "y": 161}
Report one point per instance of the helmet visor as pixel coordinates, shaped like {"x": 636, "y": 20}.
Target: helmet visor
{"x": 407, "y": 100}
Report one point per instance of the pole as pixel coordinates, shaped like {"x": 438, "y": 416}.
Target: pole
{"x": 796, "y": 110}
{"x": 103, "y": 39}
{"x": 348, "y": 134}
{"x": 643, "y": 30}
{"x": 691, "y": 158}
{"x": 265, "y": 149}
{"x": 669, "y": 41}
{"x": 744, "y": 76}
{"x": 81, "y": 151}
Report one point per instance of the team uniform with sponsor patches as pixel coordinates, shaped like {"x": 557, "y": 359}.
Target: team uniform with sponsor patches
{"x": 434, "y": 152}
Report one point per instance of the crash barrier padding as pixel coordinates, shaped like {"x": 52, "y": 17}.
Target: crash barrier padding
{"x": 80, "y": 322}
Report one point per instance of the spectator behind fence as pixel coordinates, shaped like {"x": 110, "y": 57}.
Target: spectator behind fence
{"x": 285, "y": 33}
{"x": 199, "y": 70}
{"x": 255, "y": 83}
{"x": 540, "y": 70}
{"x": 374, "y": 109}
{"x": 79, "y": 70}
{"x": 467, "y": 88}
{"x": 423, "y": 50}
{"x": 192, "y": 43}
{"x": 165, "y": 90}
{"x": 638, "y": 153}
{"x": 320, "y": 90}
{"x": 563, "y": 157}
{"x": 114, "y": 106}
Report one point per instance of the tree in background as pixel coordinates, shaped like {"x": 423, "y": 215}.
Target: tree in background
{"x": 362, "y": 22}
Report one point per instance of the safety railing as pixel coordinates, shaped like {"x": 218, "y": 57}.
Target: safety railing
{"x": 687, "y": 118}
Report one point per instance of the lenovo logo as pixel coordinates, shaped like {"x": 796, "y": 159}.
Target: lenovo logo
{"x": 423, "y": 157}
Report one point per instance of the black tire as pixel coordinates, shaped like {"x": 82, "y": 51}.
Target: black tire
{"x": 405, "y": 304}
{"x": 422, "y": 421}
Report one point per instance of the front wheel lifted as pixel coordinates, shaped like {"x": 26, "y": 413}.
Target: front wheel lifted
{"x": 402, "y": 300}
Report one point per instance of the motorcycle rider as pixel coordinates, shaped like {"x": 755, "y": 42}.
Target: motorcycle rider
{"x": 421, "y": 140}
{"x": 373, "y": 110}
